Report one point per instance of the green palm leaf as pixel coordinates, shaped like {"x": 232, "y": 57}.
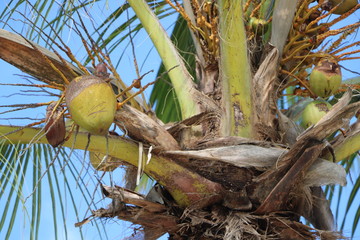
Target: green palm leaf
{"x": 19, "y": 167}
{"x": 163, "y": 96}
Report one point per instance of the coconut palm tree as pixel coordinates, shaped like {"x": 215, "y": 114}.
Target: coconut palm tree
{"x": 238, "y": 147}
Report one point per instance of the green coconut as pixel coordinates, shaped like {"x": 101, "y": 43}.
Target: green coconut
{"x": 92, "y": 103}
{"x": 344, "y": 5}
{"x": 325, "y": 78}
{"x": 314, "y": 111}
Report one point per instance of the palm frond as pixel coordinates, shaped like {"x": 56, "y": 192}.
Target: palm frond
{"x": 26, "y": 172}
{"x": 163, "y": 96}
{"x": 30, "y": 173}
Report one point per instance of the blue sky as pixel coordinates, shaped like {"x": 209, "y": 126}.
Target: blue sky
{"x": 115, "y": 229}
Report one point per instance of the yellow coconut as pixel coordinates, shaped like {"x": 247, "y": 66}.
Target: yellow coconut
{"x": 325, "y": 78}
{"x": 92, "y": 103}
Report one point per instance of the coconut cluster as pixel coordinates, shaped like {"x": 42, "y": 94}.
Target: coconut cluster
{"x": 325, "y": 80}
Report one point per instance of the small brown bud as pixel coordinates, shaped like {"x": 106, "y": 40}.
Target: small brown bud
{"x": 101, "y": 71}
{"x": 136, "y": 83}
{"x": 55, "y": 125}
{"x": 326, "y": 4}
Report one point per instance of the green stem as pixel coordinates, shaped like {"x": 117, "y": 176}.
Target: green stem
{"x": 235, "y": 70}
{"x": 180, "y": 77}
{"x": 186, "y": 187}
